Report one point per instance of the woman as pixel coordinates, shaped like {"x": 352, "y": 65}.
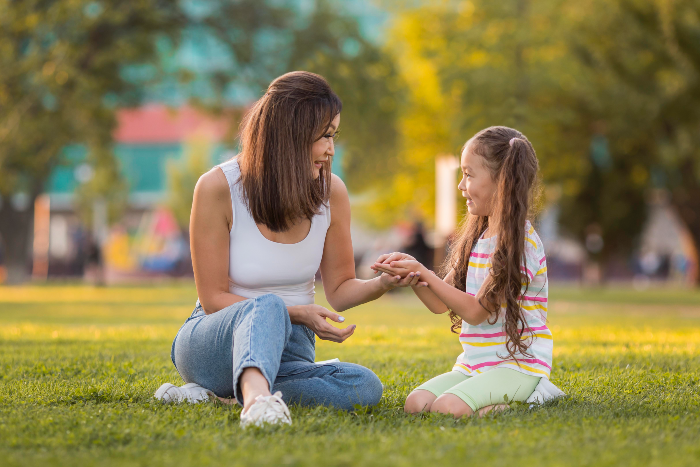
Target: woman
{"x": 261, "y": 225}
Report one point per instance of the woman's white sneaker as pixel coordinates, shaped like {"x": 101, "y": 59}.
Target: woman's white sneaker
{"x": 190, "y": 392}
{"x": 266, "y": 409}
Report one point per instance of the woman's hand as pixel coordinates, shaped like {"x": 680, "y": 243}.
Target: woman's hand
{"x": 314, "y": 317}
{"x": 391, "y": 280}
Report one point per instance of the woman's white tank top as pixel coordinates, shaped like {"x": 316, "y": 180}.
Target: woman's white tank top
{"x": 258, "y": 266}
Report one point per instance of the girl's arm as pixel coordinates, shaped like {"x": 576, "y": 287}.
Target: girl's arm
{"x": 428, "y": 297}
{"x": 343, "y": 290}
{"x": 461, "y": 303}
{"x": 464, "y": 305}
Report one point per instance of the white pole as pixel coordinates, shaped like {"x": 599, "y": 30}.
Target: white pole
{"x": 445, "y": 200}
{"x": 42, "y": 224}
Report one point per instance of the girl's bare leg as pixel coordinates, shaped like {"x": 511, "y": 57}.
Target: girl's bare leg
{"x": 419, "y": 401}
{"x": 451, "y": 404}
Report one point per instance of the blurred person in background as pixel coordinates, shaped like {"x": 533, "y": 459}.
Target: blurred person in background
{"x": 3, "y": 270}
{"x": 416, "y": 245}
{"x": 94, "y": 261}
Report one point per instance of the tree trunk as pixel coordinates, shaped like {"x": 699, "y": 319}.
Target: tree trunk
{"x": 16, "y": 235}
{"x": 686, "y": 199}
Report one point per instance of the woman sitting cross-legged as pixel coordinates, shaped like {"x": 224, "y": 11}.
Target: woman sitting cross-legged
{"x": 261, "y": 225}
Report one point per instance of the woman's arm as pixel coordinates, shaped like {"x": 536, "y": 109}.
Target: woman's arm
{"x": 210, "y": 224}
{"x": 343, "y": 290}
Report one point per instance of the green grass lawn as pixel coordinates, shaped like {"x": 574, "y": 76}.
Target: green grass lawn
{"x": 79, "y": 365}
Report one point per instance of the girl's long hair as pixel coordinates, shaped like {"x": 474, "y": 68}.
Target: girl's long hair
{"x": 514, "y": 168}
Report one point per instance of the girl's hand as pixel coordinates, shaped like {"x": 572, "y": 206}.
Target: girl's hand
{"x": 401, "y": 268}
{"x": 395, "y": 256}
{"x": 314, "y": 317}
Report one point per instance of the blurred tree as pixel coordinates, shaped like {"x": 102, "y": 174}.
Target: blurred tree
{"x": 182, "y": 176}
{"x": 59, "y": 66}
{"x": 469, "y": 65}
{"x": 65, "y": 66}
{"x": 645, "y": 60}
{"x": 272, "y": 38}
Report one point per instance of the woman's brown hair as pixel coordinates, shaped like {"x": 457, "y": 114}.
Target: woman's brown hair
{"x": 512, "y": 161}
{"x": 276, "y": 136}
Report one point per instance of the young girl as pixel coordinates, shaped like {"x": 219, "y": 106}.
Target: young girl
{"x": 496, "y": 287}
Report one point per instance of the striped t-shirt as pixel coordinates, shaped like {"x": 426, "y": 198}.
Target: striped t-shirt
{"x": 485, "y": 343}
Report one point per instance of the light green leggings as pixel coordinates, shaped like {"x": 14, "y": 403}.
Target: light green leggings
{"x": 488, "y": 388}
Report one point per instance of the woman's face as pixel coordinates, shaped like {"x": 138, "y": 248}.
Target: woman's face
{"x": 476, "y": 185}
{"x": 324, "y": 148}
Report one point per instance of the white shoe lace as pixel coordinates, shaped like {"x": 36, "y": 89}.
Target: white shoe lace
{"x": 267, "y": 409}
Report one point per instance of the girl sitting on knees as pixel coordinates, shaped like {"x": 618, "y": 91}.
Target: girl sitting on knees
{"x": 496, "y": 287}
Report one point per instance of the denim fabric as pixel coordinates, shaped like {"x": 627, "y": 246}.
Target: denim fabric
{"x": 213, "y": 350}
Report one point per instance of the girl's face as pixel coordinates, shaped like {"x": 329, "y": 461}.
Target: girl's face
{"x": 324, "y": 148}
{"x": 477, "y": 185}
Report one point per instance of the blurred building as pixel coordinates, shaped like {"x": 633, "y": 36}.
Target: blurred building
{"x": 146, "y": 139}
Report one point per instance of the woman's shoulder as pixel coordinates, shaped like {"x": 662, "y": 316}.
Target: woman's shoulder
{"x": 212, "y": 200}
{"x": 212, "y": 185}
{"x": 339, "y": 202}
{"x": 339, "y": 191}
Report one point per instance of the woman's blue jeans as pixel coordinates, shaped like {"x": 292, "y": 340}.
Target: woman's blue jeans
{"x": 213, "y": 350}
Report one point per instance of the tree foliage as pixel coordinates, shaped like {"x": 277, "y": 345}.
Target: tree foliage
{"x": 183, "y": 176}
{"x": 59, "y": 64}
{"x": 646, "y": 57}
{"x": 66, "y": 66}
{"x": 606, "y": 91}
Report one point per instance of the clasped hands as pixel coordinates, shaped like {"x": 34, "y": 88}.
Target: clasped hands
{"x": 403, "y": 269}
{"x": 397, "y": 270}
